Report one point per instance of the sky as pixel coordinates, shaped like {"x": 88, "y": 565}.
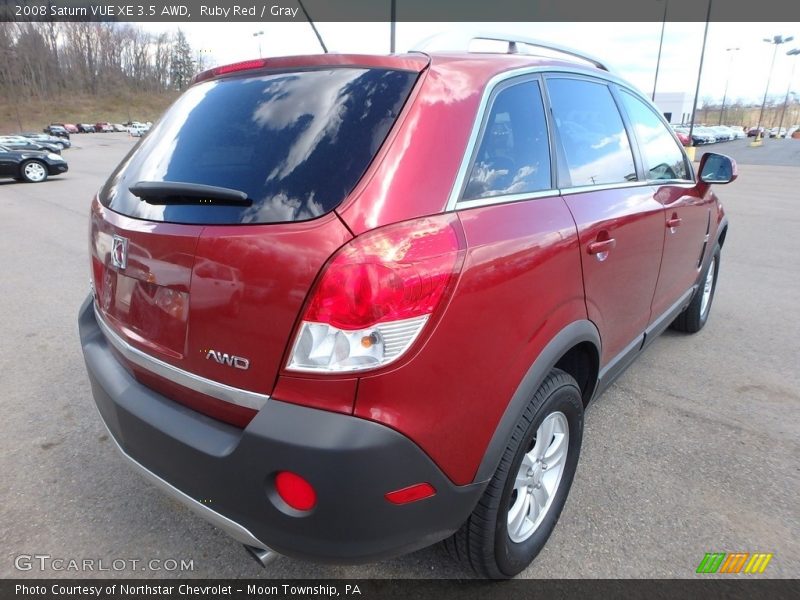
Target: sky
{"x": 631, "y": 49}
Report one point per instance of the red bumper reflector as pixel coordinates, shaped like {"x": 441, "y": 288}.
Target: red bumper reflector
{"x": 411, "y": 493}
{"x": 295, "y": 491}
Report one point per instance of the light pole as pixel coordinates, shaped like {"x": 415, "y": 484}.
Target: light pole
{"x": 660, "y": 46}
{"x": 393, "y": 26}
{"x": 793, "y": 52}
{"x": 699, "y": 76}
{"x": 725, "y": 95}
{"x": 257, "y": 35}
{"x": 777, "y": 40}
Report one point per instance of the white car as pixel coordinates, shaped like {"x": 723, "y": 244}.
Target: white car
{"x": 119, "y": 127}
{"x": 738, "y": 132}
{"x": 777, "y": 134}
{"x": 138, "y": 129}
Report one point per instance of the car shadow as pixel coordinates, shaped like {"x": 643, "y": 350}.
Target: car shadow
{"x": 4, "y": 182}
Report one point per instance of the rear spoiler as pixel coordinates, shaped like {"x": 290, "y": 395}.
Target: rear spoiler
{"x": 416, "y": 63}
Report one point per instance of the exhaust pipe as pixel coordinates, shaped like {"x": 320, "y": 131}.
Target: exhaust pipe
{"x": 263, "y": 556}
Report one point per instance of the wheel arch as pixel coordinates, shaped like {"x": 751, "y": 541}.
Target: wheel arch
{"x": 722, "y": 232}
{"x": 576, "y": 350}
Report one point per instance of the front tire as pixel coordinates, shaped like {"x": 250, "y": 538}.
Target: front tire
{"x": 520, "y": 507}
{"x": 33, "y": 171}
{"x": 695, "y": 316}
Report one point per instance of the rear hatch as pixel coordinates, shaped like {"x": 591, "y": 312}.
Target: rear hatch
{"x": 208, "y": 236}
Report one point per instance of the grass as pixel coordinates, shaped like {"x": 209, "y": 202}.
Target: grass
{"x": 30, "y": 114}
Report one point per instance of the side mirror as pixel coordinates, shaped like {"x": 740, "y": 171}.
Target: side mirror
{"x": 717, "y": 168}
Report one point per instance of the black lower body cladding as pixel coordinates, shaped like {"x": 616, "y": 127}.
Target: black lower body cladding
{"x": 350, "y": 462}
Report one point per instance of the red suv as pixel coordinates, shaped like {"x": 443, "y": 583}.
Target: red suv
{"x": 365, "y": 311}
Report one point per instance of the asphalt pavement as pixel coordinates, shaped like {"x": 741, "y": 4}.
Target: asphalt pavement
{"x": 695, "y": 449}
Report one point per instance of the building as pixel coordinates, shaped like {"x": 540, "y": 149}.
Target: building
{"x": 675, "y": 106}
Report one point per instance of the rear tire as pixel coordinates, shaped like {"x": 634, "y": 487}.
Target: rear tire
{"x": 33, "y": 171}
{"x": 504, "y": 534}
{"x": 695, "y": 316}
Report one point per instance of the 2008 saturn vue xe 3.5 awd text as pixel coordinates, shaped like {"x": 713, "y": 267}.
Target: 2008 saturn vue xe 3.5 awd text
{"x": 365, "y": 310}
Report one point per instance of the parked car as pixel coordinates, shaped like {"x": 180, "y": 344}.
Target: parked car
{"x": 70, "y": 127}
{"x": 700, "y": 134}
{"x": 57, "y": 131}
{"x": 86, "y": 128}
{"x": 22, "y": 143}
{"x": 138, "y": 129}
{"x": 119, "y": 127}
{"x": 756, "y": 131}
{"x": 723, "y": 133}
{"x": 413, "y": 354}
{"x": 103, "y": 127}
{"x": 709, "y": 135}
{"x": 57, "y": 141}
{"x": 31, "y": 166}
{"x": 775, "y": 132}
{"x": 683, "y": 138}
{"x": 792, "y": 131}
{"x": 738, "y": 132}
{"x": 696, "y": 137}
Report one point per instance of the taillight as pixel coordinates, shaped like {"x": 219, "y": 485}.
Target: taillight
{"x": 375, "y": 296}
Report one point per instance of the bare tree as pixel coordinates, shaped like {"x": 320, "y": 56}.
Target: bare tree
{"x": 44, "y": 60}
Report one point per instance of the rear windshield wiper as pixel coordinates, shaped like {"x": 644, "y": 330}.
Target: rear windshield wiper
{"x": 174, "y": 192}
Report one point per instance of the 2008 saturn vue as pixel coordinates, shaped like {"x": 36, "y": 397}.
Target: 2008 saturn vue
{"x": 345, "y": 307}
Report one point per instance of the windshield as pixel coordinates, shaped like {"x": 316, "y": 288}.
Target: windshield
{"x": 296, "y": 143}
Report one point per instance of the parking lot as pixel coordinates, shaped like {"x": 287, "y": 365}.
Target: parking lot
{"x": 695, "y": 449}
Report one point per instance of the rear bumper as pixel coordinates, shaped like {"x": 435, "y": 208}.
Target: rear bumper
{"x": 225, "y": 474}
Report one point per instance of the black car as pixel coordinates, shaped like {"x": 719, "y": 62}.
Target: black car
{"x": 30, "y": 165}
{"x": 39, "y": 138}
{"x": 57, "y": 131}
{"x": 86, "y": 128}
{"x": 19, "y": 143}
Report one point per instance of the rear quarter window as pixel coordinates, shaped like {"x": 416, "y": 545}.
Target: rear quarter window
{"x": 296, "y": 143}
{"x": 514, "y": 153}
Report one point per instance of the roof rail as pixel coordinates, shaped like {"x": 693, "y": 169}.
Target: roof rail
{"x": 460, "y": 42}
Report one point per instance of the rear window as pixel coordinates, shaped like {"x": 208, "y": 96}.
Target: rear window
{"x": 295, "y": 143}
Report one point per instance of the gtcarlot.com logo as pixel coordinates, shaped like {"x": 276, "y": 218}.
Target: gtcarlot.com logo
{"x": 46, "y": 562}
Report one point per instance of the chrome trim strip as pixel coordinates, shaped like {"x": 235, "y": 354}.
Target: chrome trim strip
{"x": 502, "y": 199}
{"x": 229, "y": 526}
{"x": 194, "y": 382}
{"x": 683, "y": 183}
{"x": 580, "y": 189}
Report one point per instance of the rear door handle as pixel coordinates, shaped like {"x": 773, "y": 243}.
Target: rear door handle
{"x": 674, "y": 222}
{"x": 601, "y": 246}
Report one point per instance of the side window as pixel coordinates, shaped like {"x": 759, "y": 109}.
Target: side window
{"x": 662, "y": 157}
{"x": 514, "y": 154}
{"x": 591, "y": 131}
